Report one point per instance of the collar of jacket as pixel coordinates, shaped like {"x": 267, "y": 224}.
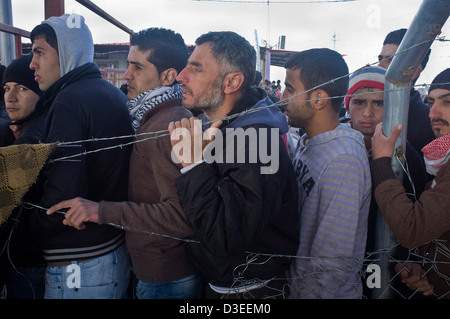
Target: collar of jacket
{"x": 249, "y": 98}
{"x": 86, "y": 71}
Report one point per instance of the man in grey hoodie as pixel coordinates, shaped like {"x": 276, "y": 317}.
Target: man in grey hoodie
{"x": 85, "y": 109}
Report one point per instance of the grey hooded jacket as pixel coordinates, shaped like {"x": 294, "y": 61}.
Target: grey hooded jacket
{"x": 81, "y": 107}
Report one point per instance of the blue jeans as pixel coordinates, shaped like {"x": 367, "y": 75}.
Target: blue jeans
{"x": 190, "y": 287}
{"x": 105, "y": 277}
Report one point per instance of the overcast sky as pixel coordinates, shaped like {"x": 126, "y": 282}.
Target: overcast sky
{"x": 359, "y": 26}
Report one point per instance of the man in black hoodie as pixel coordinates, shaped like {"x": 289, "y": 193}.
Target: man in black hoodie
{"x": 22, "y": 264}
{"x": 86, "y": 116}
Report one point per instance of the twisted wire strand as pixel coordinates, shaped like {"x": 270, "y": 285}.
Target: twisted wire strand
{"x": 164, "y": 133}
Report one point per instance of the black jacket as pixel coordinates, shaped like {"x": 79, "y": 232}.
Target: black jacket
{"x": 419, "y": 126}
{"x": 242, "y": 218}
{"x": 30, "y": 132}
{"x": 19, "y": 249}
{"x": 6, "y": 137}
{"x": 82, "y": 106}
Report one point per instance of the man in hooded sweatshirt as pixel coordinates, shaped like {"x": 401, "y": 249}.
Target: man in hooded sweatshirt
{"x": 82, "y": 109}
{"x": 242, "y": 206}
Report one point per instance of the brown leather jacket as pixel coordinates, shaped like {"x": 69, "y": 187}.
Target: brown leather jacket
{"x": 424, "y": 224}
{"x": 153, "y": 207}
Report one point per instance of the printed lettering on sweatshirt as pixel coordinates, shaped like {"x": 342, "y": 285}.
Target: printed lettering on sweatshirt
{"x": 303, "y": 177}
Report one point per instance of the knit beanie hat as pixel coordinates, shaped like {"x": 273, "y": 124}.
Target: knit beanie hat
{"x": 441, "y": 81}
{"x": 2, "y": 70}
{"x": 368, "y": 76}
{"x": 19, "y": 71}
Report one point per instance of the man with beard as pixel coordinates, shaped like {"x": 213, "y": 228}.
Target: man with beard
{"x": 243, "y": 213}
{"x": 81, "y": 106}
{"x": 423, "y": 223}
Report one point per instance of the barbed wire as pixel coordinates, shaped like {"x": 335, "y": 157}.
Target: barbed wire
{"x": 254, "y": 259}
{"x": 281, "y": 102}
{"x": 352, "y": 264}
{"x": 164, "y": 133}
{"x": 357, "y": 265}
{"x": 27, "y": 205}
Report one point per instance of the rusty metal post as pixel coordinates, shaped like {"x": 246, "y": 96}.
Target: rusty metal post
{"x": 18, "y": 34}
{"x": 424, "y": 28}
{"x": 18, "y": 45}
{"x": 53, "y": 8}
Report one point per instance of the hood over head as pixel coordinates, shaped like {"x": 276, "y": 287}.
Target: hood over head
{"x": 75, "y": 43}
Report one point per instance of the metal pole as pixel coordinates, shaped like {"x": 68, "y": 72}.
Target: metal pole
{"x": 425, "y": 26}
{"x": 7, "y": 46}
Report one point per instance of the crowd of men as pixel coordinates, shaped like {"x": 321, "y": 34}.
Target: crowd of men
{"x": 207, "y": 211}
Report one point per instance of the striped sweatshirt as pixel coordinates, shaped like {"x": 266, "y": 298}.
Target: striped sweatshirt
{"x": 334, "y": 183}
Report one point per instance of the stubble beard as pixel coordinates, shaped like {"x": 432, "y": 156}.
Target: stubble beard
{"x": 209, "y": 101}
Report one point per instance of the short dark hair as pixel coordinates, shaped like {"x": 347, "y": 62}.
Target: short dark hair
{"x": 396, "y": 37}
{"x": 233, "y": 53}
{"x": 167, "y": 48}
{"x": 322, "y": 68}
{"x": 47, "y": 32}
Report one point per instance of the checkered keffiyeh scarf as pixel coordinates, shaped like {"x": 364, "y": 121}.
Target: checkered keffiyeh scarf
{"x": 19, "y": 169}
{"x": 436, "y": 154}
{"x": 148, "y": 100}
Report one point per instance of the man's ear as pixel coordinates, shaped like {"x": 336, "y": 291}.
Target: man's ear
{"x": 319, "y": 99}
{"x": 168, "y": 76}
{"x": 233, "y": 82}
